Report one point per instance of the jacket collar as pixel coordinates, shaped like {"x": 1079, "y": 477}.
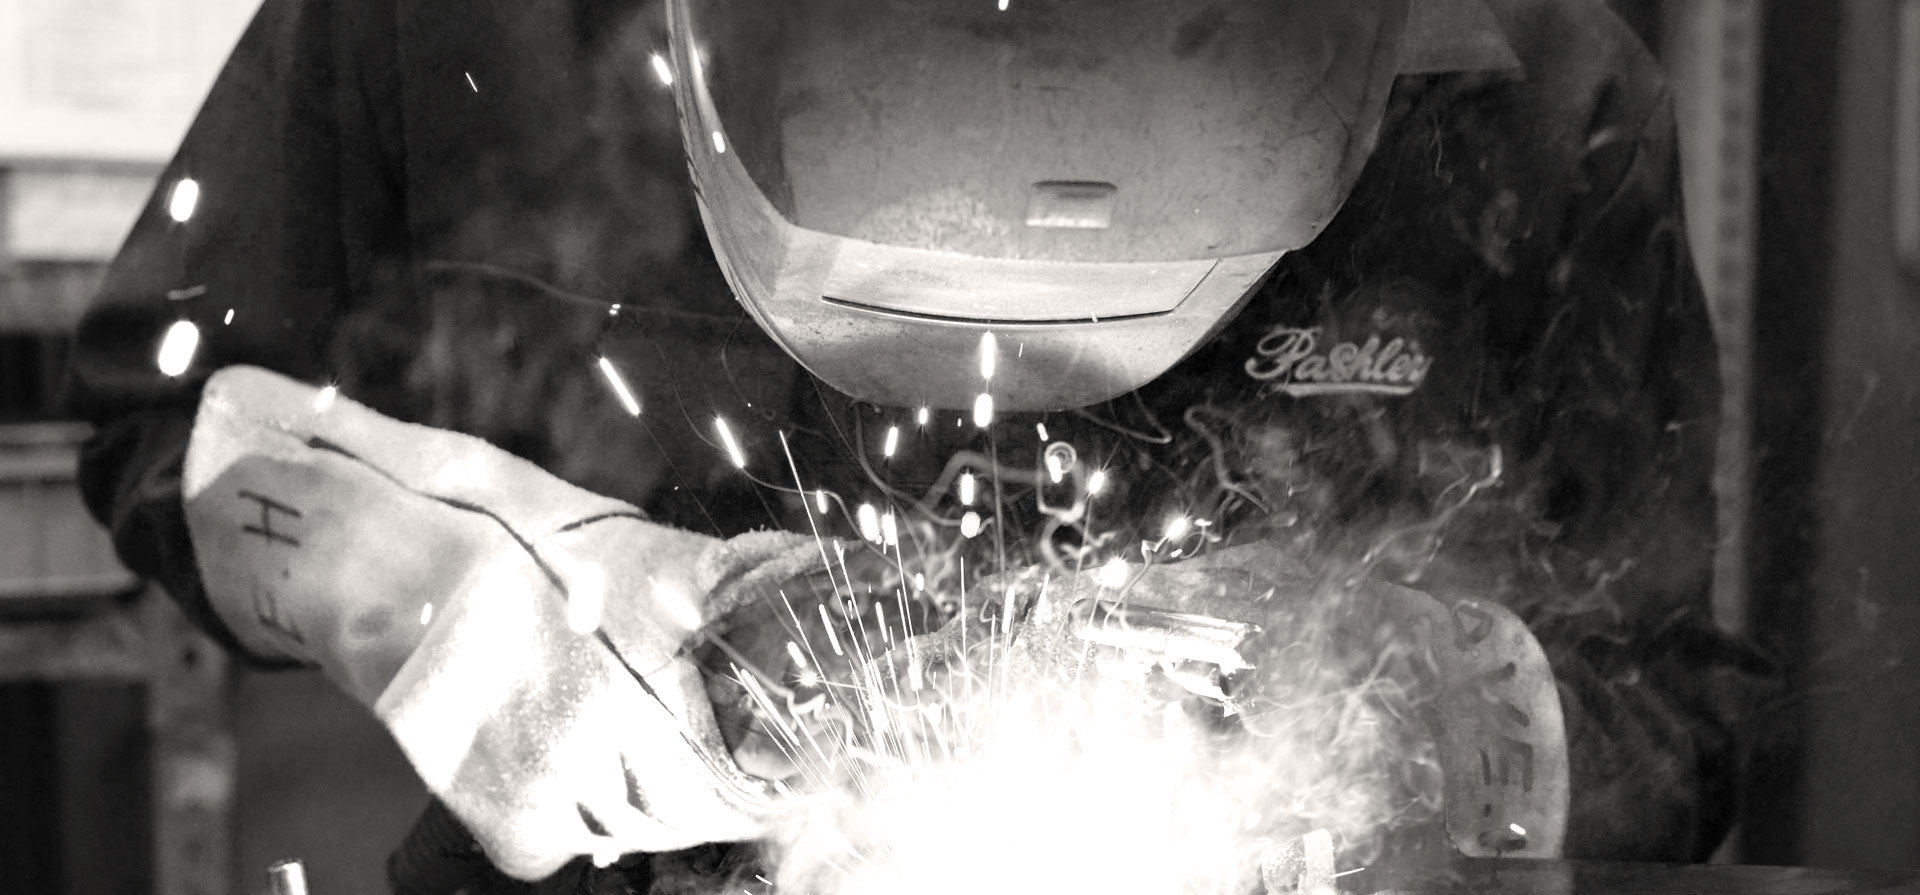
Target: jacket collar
{"x": 1454, "y": 35}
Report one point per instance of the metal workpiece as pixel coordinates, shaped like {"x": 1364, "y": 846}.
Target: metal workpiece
{"x": 287, "y": 877}
{"x": 1162, "y": 633}
{"x": 1303, "y": 865}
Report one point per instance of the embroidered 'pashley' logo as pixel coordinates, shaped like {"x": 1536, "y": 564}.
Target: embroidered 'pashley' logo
{"x": 1289, "y": 359}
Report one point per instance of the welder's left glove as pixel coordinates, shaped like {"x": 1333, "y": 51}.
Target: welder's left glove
{"x": 527, "y": 643}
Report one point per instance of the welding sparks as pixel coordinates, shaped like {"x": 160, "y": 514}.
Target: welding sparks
{"x": 868, "y": 519}
{"x": 827, "y": 624}
{"x": 719, "y": 143}
{"x": 1009, "y": 765}
{"x": 983, "y": 786}
{"x": 177, "y": 348}
{"x": 1028, "y": 750}
{"x": 1009, "y": 777}
{"x": 619, "y": 385}
{"x": 184, "y": 198}
{"x": 323, "y": 401}
{"x": 470, "y": 84}
{"x": 1060, "y": 457}
{"x": 983, "y": 410}
{"x": 227, "y": 320}
{"x": 808, "y": 676}
{"x": 661, "y": 69}
{"x": 734, "y": 453}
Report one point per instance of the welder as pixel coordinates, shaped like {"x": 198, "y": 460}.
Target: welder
{"x": 416, "y": 367}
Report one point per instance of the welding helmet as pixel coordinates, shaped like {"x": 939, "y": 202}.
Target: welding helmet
{"x": 1099, "y": 183}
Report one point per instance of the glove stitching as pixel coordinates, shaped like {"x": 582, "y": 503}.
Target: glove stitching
{"x": 578, "y": 524}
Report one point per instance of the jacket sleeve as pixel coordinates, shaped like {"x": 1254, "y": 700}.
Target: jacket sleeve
{"x": 256, "y": 268}
{"x": 1625, "y": 377}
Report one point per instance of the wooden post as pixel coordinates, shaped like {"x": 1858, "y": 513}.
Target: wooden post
{"x": 1906, "y": 137}
{"x": 193, "y": 755}
{"x": 1711, "y": 50}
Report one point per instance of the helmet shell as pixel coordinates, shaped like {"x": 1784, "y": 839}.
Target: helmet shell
{"x": 1099, "y": 182}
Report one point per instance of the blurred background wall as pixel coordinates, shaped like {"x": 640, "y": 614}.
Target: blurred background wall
{"x": 122, "y": 740}
{"x": 1834, "y": 567}
{"x": 1801, "y": 123}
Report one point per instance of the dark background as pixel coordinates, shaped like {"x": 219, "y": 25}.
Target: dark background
{"x": 1831, "y": 565}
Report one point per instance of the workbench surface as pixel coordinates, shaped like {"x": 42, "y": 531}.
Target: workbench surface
{"x": 1539, "y": 877}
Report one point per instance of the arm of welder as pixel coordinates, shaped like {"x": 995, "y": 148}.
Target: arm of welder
{"x": 1654, "y": 693}
{"x": 257, "y": 268}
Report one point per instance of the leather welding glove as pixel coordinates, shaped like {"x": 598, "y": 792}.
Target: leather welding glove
{"x": 525, "y": 641}
{"x": 1260, "y": 619}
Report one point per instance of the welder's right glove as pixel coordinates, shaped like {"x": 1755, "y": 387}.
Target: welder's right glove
{"x": 525, "y": 641}
{"x": 1281, "y": 650}
{"x": 1471, "y": 669}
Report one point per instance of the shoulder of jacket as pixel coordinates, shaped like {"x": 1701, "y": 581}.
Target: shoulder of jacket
{"x": 1574, "y": 44}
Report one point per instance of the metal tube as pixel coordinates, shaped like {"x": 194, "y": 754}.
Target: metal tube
{"x": 287, "y": 877}
{"x": 1180, "y": 636}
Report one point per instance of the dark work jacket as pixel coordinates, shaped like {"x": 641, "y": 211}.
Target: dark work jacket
{"x": 1492, "y": 376}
